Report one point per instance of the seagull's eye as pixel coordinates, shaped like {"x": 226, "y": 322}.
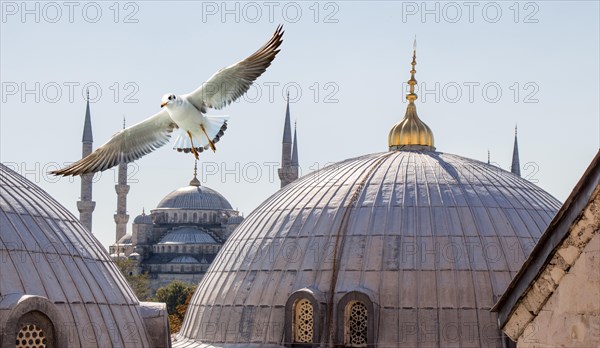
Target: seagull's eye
{"x": 170, "y": 97}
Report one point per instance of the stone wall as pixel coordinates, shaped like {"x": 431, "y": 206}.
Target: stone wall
{"x": 571, "y": 316}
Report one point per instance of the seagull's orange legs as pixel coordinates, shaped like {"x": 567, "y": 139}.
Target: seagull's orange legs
{"x": 193, "y": 147}
{"x": 210, "y": 142}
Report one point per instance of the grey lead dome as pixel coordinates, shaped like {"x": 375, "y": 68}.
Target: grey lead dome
{"x": 50, "y": 264}
{"x": 428, "y": 240}
{"x": 194, "y": 198}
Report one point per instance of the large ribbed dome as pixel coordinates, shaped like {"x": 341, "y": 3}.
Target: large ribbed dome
{"x": 194, "y": 198}
{"x": 427, "y": 240}
{"x": 56, "y": 274}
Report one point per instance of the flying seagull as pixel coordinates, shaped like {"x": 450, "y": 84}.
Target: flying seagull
{"x": 198, "y": 132}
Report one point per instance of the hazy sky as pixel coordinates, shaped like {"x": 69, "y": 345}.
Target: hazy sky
{"x": 486, "y": 66}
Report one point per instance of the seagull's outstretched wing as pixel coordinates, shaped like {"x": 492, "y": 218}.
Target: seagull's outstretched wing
{"x": 230, "y": 83}
{"x": 127, "y": 145}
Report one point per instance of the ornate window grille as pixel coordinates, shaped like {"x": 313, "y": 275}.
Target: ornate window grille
{"x": 31, "y": 336}
{"x": 303, "y": 321}
{"x": 356, "y": 324}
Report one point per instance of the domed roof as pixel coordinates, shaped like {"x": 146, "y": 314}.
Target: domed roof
{"x": 187, "y": 235}
{"x": 143, "y": 219}
{"x": 431, "y": 238}
{"x": 46, "y": 253}
{"x": 194, "y": 198}
{"x": 126, "y": 239}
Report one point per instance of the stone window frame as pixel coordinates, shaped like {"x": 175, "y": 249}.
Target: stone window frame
{"x": 342, "y": 325}
{"x": 32, "y": 310}
{"x": 290, "y": 313}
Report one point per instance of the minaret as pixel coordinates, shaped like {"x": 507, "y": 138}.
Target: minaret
{"x": 515, "y": 167}
{"x": 286, "y": 172}
{"x": 85, "y": 205}
{"x": 121, "y": 217}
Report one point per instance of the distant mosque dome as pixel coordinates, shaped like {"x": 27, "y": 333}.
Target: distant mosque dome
{"x": 143, "y": 219}
{"x": 194, "y": 197}
{"x": 409, "y": 247}
{"x": 57, "y": 281}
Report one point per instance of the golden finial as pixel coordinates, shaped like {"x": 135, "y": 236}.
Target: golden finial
{"x": 411, "y": 133}
{"x": 412, "y": 82}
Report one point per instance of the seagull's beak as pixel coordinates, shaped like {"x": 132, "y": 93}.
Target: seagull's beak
{"x": 163, "y": 104}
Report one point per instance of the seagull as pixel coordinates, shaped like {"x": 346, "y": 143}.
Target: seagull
{"x": 198, "y": 131}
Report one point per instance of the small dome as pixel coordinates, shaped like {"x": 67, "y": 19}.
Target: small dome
{"x": 134, "y": 256}
{"x": 143, "y": 219}
{"x": 194, "y": 198}
{"x": 184, "y": 259}
{"x": 187, "y": 235}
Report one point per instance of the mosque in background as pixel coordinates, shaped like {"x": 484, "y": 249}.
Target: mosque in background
{"x": 180, "y": 238}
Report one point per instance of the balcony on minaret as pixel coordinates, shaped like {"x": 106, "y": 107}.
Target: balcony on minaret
{"x": 121, "y": 218}
{"x": 86, "y": 206}
{"x": 122, "y": 189}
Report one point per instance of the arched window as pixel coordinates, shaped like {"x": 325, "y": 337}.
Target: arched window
{"x": 303, "y": 321}
{"x": 358, "y": 314}
{"x": 195, "y": 217}
{"x": 184, "y": 217}
{"x": 303, "y": 313}
{"x": 356, "y": 319}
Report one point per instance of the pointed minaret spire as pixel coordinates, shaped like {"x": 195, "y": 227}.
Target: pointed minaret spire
{"x": 122, "y": 189}
{"x": 515, "y": 167}
{"x": 295, "y": 148}
{"x": 87, "y": 125}
{"x": 85, "y": 205}
{"x": 286, "y": 172}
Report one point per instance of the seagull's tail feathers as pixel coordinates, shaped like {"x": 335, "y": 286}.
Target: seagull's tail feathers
{"x": 215, "y": 127}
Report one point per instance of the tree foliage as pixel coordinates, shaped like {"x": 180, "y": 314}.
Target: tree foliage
{"x": 140, "y": 283}
{"x": 177, "y": 296}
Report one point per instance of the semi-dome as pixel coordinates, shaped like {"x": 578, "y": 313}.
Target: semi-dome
{"x": 194, "y": 198}
{"x": 126, "y": 239}
{"x": 423, "y": 238}
{"x": 187, "y": 235}
{"x": 56, "y": 277}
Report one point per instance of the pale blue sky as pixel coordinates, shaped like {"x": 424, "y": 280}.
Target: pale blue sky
{"x": 349, "y": 60}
